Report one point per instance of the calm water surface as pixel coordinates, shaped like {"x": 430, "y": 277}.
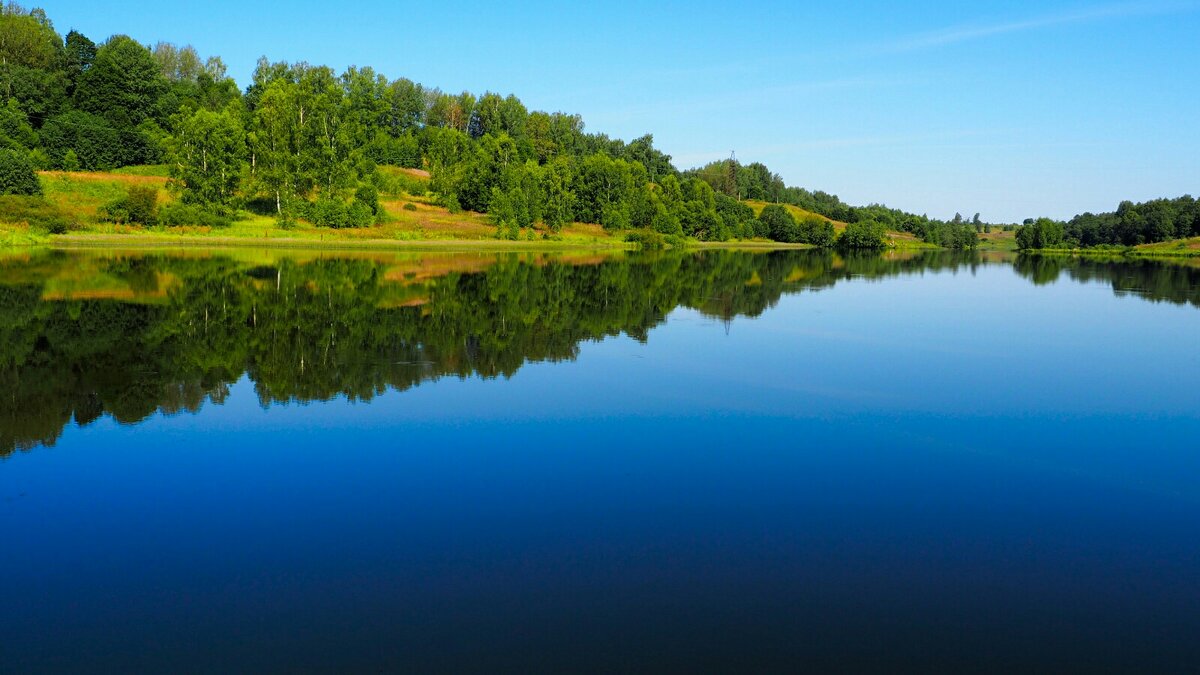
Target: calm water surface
{"x": 724, "y": 461}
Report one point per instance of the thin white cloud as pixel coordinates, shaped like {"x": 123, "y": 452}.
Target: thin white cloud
{"x": 967, "y": 33}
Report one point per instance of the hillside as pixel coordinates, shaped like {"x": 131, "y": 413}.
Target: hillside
{"x": 408, "y": 217}
{"x": 410, "y": 214}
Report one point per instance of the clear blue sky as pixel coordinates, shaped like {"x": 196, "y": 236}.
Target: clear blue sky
{"x": 1012, "y": 109}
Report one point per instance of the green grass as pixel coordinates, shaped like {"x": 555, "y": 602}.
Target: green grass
{"x": 22, "y": 236}
{"x": 998, "y": 240}
{"x": 409, "y": 221}
{"x": 797, "y": 213}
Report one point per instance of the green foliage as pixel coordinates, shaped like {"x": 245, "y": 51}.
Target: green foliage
{"x": 648, "y": 240}
{"x": 139, "y": 205}
{"x": 738, "y": 218}
{"x": 15, "y": 130}
{"x": 206, "y": 153}
{"x": 35, "y": 212}
{"x": 91, "y": 140}
{"x": 70, "y": 161}
{"x": 17, "y": 176}
{"x": 1042, "y": 233}
{"x": 779, "y": 224}
{"x": 368, "y": 196}
{"x": 816, "y": 231}
{"x": 122, "y": 85}
{"x": 404, "y": 151}
{"x": 179, "y": 214}
{"x": 27, "y": 38}
{"x": 1133, "y": 224}
{"x": 510, "y": 208}
{"x": 861, "y": 235}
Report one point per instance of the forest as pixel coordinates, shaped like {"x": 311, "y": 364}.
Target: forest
{"x": 1131, "y": 224}
{"x": 302, "y": 142}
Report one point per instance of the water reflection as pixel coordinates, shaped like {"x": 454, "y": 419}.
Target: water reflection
{"x": 129, "y": 335}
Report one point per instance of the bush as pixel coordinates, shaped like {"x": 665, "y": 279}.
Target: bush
{"x": 35, "y": 212}
{"x": 817, "y": 231}
{"x": 508, "y": 229}
{"x": 368, "y": 195}
{"x": 327, "y": 212}
{"x": 410, "y": 207}
{"x": 779, "y": 224}
{"x": 337, "y": 214}
{"x": 862, "y": 235}
{"x": 647, "y": 240}
{"x": 359, "y": 215}
{"x": 17, "y": 176}
{"x": 139, "y": 205}
{"x": 178, "y": 215}
{"x": 70, "y": 161}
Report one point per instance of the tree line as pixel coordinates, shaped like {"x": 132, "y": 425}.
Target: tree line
{"x": 1130, "y": 225}
{"x": 757, "y": 182}
{"x": 304, "y": 142}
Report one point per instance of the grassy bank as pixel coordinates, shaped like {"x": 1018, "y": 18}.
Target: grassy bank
{"x": 1175, "y": 248}
{"x": 412, "y": 220}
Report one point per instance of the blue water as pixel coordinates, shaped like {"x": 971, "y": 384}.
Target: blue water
{"x": 943, "y": 469}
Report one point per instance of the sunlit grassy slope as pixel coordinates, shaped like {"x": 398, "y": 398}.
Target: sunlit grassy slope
{"x": 796, "y": 212}
{"x": 409, "y": 217}
{"x": 895, "y": 238}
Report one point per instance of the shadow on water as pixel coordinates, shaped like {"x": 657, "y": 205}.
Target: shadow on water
{"x": 83, "y": 335}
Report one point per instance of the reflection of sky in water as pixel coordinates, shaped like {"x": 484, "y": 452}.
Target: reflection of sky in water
{"x": 923, "y": 471}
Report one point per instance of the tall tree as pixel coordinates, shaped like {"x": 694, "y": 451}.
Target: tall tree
{"x": 207, "y": 152}
{"x": 123, "y": 84}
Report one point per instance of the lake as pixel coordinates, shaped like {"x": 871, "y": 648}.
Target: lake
{"x": 711, "y": 461}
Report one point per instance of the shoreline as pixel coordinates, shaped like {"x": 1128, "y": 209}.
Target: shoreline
{"x": 1115, "y": 253}
{"x": 153, "y": 241}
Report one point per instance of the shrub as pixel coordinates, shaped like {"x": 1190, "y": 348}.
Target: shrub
{"x": 17, "y": 176}
{"x": 816, "y": 231}
{"x": 862, "y": 235}
{"x": 337, "y": 214}
{"x": 508, "y": 229}
{"x": 39, "y": 160}
{"x": 70, "y": 161}
{"x": 359, "y": 215}
{"x": 615, "y": 217}
{"x": 139, "y": 205}
{"x": 35, "y": 212}
{"x": 178, "y": 215}
{"x": 779, "y": 224}
{"x": 410, "y": 207}
{"x": 647, "y": 240}
{"x": 368, "y": 195}
{"x": 329, "y": 212}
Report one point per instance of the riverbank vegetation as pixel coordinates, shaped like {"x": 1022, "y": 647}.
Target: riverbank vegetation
{"x": 306, "y": 147}
{"x": 1167, "y": 227}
